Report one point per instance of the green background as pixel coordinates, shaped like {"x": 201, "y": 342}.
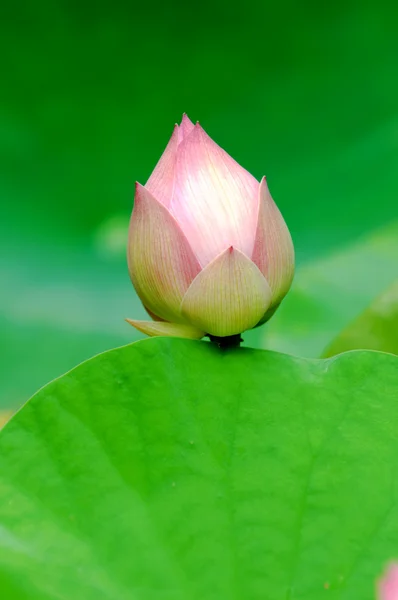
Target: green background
{"x": 305, "y": 93}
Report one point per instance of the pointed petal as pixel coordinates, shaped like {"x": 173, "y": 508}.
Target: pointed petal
{"x": 229, "y": 296}
{"x": 185, "y": 128}
{"x": 156, "y": 328}
{"x": 161, "y": 262}
{"x": 273, "y": 251}
{"x": 161, "y": 182}
{"x": 215, "y": 200}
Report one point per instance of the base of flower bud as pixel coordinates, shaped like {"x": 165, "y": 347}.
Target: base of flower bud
{"x": 229, "y": 341}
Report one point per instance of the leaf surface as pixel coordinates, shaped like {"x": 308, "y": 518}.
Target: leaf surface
{"x": 168, "y": 469}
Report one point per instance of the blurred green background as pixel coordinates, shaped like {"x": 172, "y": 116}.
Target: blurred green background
{"x": 306, "y": 93}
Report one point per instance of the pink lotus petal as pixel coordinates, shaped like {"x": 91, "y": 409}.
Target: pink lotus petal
{"x": 229, "y": 296}
{"x": 161, "y": 182}
{"x": 273, "y": 250}
{"x": 387, "y": 586}
{"x": 185, "y": 128}
{"x": 215, "y": 200}
{"x": 161, "y": 262}
{"x": 161, "y": 328}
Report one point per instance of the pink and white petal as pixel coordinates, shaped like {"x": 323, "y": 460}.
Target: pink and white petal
{"x": 273, "y": 250}
{"x": 229, "y": 296}
{"x": 185, "y": 128}
{"x": 215, "y": 200}
{"x": 162, "y": 328}
{"x": 161, "y": 262}
{"x": 387, "y": 586}
{"x": 161, "y": 183}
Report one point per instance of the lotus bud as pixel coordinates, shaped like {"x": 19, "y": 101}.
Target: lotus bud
{"x": 208, "y": 251}
{"x": 387, "y": 586}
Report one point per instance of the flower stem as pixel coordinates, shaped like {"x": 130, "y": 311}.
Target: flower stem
{"x": 229, "y": 341}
